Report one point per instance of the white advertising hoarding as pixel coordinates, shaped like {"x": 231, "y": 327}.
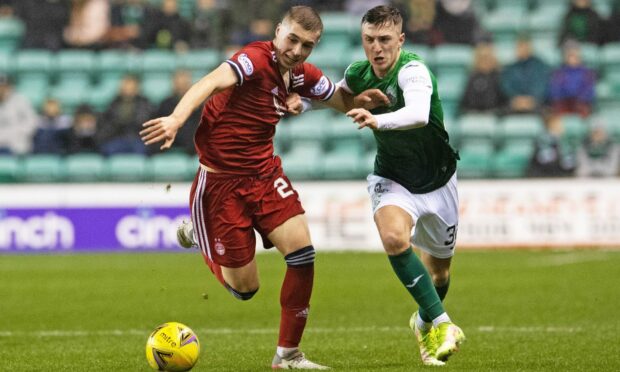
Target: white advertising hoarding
{"x": 494, "y": 214}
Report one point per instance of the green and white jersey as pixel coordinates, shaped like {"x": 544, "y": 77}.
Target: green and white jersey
{"x": 419, "y": 159}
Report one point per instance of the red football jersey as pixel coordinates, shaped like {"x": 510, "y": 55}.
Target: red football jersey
{"x": 237, "y": 126}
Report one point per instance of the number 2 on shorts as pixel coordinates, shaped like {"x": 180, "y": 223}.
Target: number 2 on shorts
{"x": 281, "y": 185}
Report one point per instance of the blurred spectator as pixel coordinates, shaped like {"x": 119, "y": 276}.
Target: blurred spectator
{"x": 123, "y": 119}
{"x": 53, "y": 129}
{"x": 357, "y": 8}
{"x": 582, "y": 23}
{"x": 483, "y": 91}
{"x": 44, "y": 22}
{"x": 127, "y": 17}
{"x": 209, "y": 25}
{"x": 259, "y": 29}
{"x": 7, "y": 8}
{"x": 84, "y": 130}
{"x": 456, "y": 23}
{"x": 598, "y": 156}
{"x": 571, "y": 89}
{"x": 551, "y": 158}
{"x": 418, "y": 26}
{"x": 255, "y": 22}
{"x": 167, "y": 29}
{"x": 18, "y": 120}
{"x": 89, "y": 22}
{"x": 184, "y": 141}
{"x": 525, "y": 81}
{"x": 612, "y": 26}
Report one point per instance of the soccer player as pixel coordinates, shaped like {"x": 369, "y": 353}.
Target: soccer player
{"x": 414, "y": 180}
{"x": 240, "y": 185}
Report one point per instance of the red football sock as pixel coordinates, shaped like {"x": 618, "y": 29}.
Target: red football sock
{"x": 295, "y": 302}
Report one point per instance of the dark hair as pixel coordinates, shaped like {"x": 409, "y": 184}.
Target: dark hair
{"x": 383, "y": 15}
{"x": 306, "y": 17}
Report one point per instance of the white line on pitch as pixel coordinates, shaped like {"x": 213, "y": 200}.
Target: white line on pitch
{"x": 225, "y": 331}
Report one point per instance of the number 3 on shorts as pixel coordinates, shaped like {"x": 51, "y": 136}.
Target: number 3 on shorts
{"x": 281, "y": 185}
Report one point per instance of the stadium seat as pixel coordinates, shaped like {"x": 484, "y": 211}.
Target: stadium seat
{"x": 303, "y": 161}
{"x": 102, "y": 94}
{"x": 544, "y": 18}
{"x": 113, "y": 63}
{"x": 477, "y": 126}
{"x": 41, "y": 168}
{"x": 85, "y": 168}
{"x": 199, "y": 61}
{"x": 337, "y": 24}
{"x": 11, "y": 33}
{"x": 331, "y": 55}
{"x": 506, "y": 20}
{"x": 610, "y": 55}
{"x": 6, "y": 63}
{"x": 512, "y": 160}
{"x": 452, "y": 56}
{"x": 156, "y": 87}
{"x": 590, "y": 54}
{"x": 609, "y": 118}
{"x": 33, "y": 61}
{"x": 522, "y": 127}
{"x": 171, "y": 167}
{"x": 476, "y": 158}
{"x": 339, "y": 127}
{"x": 70, "y": 94}
{"x": 9, "y": 166}
{"x": 343, "y": 161}
{"x": 74, "y": 64}
{"x": 575, "y": 130}
{"x": 311, "y": 125}
{"x": 127, "y": 168}
{"x": 451, "y": 83}
{"x": 156, "y": 61}
{"x": 36, "y": 89}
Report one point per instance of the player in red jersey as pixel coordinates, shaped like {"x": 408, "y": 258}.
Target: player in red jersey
{"x": 240, "y": 185}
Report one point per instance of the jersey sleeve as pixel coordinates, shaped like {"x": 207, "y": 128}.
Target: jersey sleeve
{"x": 414, "y": 77}
{"x": 247, "y": 63}
{"x": 313, "y": 84}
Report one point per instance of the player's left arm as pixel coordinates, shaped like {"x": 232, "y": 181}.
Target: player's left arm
{"x": 417, "y": 86}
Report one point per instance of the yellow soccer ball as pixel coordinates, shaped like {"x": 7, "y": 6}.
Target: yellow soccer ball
{"x": 172, "y": 347}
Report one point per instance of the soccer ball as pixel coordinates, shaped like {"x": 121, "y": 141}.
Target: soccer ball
{"x": 172, "y": 347}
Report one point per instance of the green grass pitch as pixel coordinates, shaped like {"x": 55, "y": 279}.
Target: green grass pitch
{"x": 521, "y": 311}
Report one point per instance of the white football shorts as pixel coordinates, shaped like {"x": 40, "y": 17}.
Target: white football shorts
{"x": 435, "y": 214}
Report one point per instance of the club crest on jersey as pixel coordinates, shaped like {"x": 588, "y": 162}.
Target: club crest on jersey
{"x": 246, "y": 64}
{"x": 391, "y": 94}
{"x": 219, "y": 247}
{"x": 320, "y": 87}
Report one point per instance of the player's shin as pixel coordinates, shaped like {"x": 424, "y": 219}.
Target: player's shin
{"x": 295, "y": 296}
{"x": 441, "y": 292}
{"x": 416, "y": 279}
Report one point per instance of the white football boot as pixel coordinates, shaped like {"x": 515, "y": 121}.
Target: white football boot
{"x": 295, "y": 360}
{"x": 185, "y": 235}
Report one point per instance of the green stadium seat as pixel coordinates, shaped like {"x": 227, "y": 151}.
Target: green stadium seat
{"x": 477, "y": 126}
{"x": 157, "y": 87}
{"x": 171, "y": 167}
{"x": 331, "y": 55}
{"x": 522, "y": 127}
{"x": 85, "y": 168}
{"x": 33, "y": 61}
{"x": 590, "y": 54}
{"x": 112, "y": 63}
{"x": 610, "y": 55}
{"x": 612, "y": 79}
{"x": 339, "y": 127}
{"x": 312, "y": 125}
{"x": 476, "y": 158}
{"x": 11, "y": 33}
{"x": 451, "y": 83}
{"x": 41, "y": 168}
{"x": 512, "y": 160}
{"x": 546, "y": 48}
{"x": 199, "y": 60}
{"x": 9, "y": 166}
{"x": 452, "y": 56}
{"x": 343, "y": 161}
{"x": 609, "y": 118}
{"x": 74, "y": 64}
{"x": 70, "y": 95}
{"x": 6, "y": 63}
{"x": 35, "y": 89}
{"x": 127, "y": 168}
{"x": 575, "y": 130}
{"x": 102, "y": 94}
{"x": 156, "y": 61}
{"x": 544, "y": 18}
{"x": 505, "y": 22}
{"x": 303, "y": 161}
{"x": 338, "y": 24}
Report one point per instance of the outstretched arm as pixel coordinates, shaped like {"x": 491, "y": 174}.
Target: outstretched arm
{"x": 165, "y": 128}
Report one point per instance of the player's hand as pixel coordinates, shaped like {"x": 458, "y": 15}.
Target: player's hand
{"x": 370, "y": 99}
{"x": 160, "y": 129}
{"x": 294, "y": 105}
{"x": 363, "y": 118}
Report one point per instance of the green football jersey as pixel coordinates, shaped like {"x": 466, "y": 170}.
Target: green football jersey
{"x": 419, "y": 159}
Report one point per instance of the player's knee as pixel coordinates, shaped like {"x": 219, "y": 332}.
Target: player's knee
{"x": 301, "y": 257}
{"x": 243, "y": 296}
{"x": 440, "y": 277}
{"x": 395, "y": 243}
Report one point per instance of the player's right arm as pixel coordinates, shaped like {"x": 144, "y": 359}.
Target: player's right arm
{"x": 165, "y": 128}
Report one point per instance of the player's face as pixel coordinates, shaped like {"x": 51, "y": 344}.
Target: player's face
{"x": 294, "y": 44}
{"x": 382, "y": 45}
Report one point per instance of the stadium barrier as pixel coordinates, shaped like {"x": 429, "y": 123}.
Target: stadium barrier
{"x": 143, "y": 217}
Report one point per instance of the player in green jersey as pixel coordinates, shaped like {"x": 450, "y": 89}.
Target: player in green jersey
{"x": 413, "y": 186}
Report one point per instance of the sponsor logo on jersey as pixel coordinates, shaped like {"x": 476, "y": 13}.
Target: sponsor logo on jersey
{"x": 246, "y": 64}
{"x": 391, "y": 94}
{"x": 320, "y": 87}
{"x": 219, "y": 247}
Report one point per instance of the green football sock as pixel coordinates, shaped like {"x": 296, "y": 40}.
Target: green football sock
{"x": 414, "y": 276}
{"x": 441, "y": 292}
